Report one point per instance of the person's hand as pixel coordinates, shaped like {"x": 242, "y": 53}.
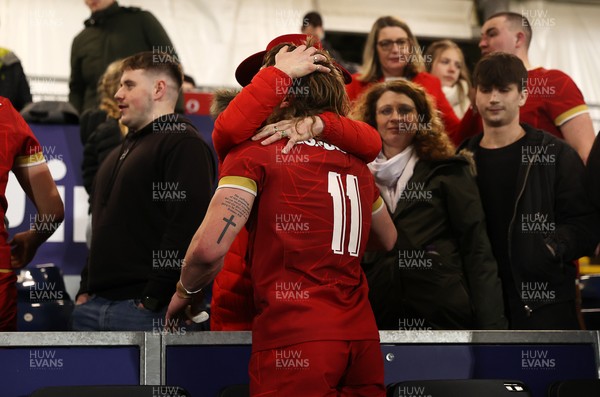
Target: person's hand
{"x": 82, "y": 298}
{"x": 300, "y": 62}
{"x": 23, "y": 247}
{"x": 176, "y": 312}
{"x": 296, "y": 130}
{"x": 185, "y": 311}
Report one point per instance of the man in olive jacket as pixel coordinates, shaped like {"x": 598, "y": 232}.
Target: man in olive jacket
{"x": 112, "y": 32}
{"x": 538, "y": 215}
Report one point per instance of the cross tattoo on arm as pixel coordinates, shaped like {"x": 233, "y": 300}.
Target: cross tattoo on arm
{"x": 228, "y": 222}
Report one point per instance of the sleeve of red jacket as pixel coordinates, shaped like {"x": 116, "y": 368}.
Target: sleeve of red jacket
{"x": 470, "y": 125}
{"x": 355, "y": 137}
{"x": 433, "y": 86}
{"x": 249, "y": 109}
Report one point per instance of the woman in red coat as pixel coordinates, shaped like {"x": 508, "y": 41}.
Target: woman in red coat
{"x": 392, "y": 52}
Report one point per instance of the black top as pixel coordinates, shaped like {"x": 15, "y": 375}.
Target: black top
{"x": 13, "y": 83}
{"x": 497, "y": 171}
{"x": 551, "y": 209}
{"x": 592, "y": 173}
{"x": 100, "y": 134}
{"x": 150, "y": 195}
{"x": 441, "y": 273}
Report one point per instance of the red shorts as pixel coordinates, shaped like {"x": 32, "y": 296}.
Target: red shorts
{"x": 8, "y": 301}
{"x": 322, "y": 368}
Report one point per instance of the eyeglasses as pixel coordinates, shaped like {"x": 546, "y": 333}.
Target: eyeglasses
{"x": 387, "y": 45}
{"x": 403, "y": 110}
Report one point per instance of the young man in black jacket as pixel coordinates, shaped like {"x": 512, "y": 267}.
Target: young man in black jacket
{"x": 150, "y": 195}
{"x": 538, "y": 215}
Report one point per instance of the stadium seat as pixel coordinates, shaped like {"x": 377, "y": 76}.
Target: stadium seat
{"x": 235, "y": 391}
{"x": 43, "y": 303}
{"x": 111, "y": 391}
{"x": 590, "y": 300}
{"x": 578, "y": 388}
{"x": 462, "y": 388}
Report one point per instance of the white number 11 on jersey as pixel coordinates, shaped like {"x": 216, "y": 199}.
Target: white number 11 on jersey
{"x": 336, "y": 190}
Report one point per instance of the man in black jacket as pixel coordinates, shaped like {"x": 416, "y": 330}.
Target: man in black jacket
{"x": 150, "y": 196}
{"x": 538, "y": 216}
{"x": 112, "y": 32}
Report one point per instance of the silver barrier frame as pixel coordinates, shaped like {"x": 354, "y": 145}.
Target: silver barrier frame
{"x": 148, "y": 343}
{"x": 495, "y": 337}
{"x": 404, "y": 337}
{"x": 152, "y": 345}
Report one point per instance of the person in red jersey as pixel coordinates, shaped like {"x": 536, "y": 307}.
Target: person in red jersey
{"x": 232, "y": 305}
{"x": 554, "y": 103}
{"x": 22, "y": 154}
{"x": 309, "y": 213}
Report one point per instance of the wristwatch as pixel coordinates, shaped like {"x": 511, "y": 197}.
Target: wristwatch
{"x": 151, "y": 303}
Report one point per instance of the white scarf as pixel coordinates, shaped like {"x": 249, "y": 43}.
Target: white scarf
{"x": 392, "y": 175}
{"x": 451, "y": 93}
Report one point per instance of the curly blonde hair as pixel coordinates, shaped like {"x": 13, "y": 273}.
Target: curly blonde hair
{"x": 431, "y": 141}
{"x": 108, "y": 85}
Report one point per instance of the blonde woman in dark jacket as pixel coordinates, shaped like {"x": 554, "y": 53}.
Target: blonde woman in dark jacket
{"x": 441, "y": 274}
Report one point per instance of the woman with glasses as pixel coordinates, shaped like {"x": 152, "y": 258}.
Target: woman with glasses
{"x": 392, "y": 52}
{"x": 441, "y": 273}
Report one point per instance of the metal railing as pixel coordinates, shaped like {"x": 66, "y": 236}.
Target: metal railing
{"x": 48, "y": 88}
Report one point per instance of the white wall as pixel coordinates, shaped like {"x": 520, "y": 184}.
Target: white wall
{"x": 212, "y": 37}
{"x": 567, "y": 37}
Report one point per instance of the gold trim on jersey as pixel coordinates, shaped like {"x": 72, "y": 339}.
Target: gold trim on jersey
{"x": 30, "y": 160}
{"x": 377, "y": 205}
{"x": 569, "y": 114}
{"x": 239, "y": 182}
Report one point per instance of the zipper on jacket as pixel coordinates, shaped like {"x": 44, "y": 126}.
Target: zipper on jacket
{"x": 527, "y": 309}
{"x": 514, "y": 215}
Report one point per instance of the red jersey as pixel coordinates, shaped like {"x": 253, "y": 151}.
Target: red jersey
{"x": 232, "y": 306}
{"x": 308, "y": 231}
{"x": 553, "y": 98}
{"x": 19, "y": 148}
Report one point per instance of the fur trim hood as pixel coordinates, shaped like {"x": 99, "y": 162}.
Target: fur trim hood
{"x": 221, "y": 100}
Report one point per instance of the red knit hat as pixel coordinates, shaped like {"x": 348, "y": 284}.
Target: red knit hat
{"x": 251, "y": 65}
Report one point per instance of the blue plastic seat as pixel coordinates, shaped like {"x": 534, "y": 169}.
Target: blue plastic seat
{"x": 579, "y": 388}
{"x": 460, "y": 387}
{"x": 111, "y": 391}
{"x": 43, "y": 303}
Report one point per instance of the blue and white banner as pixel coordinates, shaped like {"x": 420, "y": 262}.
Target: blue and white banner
{"x": 63, "y": 150}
